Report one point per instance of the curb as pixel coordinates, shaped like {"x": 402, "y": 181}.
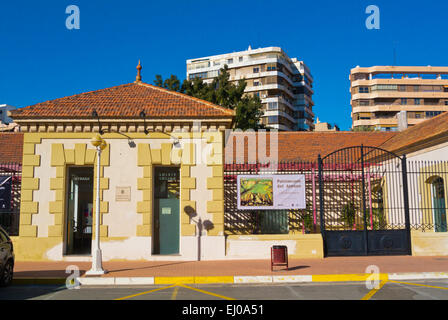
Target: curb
{"x": 38, "y": 281}
{"x": 117, "y": 281}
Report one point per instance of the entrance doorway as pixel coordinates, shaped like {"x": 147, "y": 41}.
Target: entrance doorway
{"x": 166, "y": 210}
{"x": 438, "y": 202}
{"x": 79, "y": 211}
{"x": 357, "y": 216}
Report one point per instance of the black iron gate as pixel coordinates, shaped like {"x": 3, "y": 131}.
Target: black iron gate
{"x": 364, "y": 205}
{"x": 10, "y": 184}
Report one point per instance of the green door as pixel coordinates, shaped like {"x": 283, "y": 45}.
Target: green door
{"x": 439, "y": 205}
{"x": 79, "y": 210}
{"x": 166, "y": 209}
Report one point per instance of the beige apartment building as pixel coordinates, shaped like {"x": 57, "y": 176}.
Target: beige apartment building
{"x": 284, "y": 85}
{"x": 379, "y": 93}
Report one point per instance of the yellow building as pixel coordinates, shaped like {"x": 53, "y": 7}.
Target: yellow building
{"x": 379, "y": 93}
{"x": 161, "y": 173}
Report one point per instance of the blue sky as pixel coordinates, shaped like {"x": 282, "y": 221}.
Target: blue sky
{"x": 40, "y": 59}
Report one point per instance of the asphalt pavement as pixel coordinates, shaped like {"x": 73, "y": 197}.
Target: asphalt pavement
{"x": 385, "y": 290}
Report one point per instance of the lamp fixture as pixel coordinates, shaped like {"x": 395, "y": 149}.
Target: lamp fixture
{"x": 143, "y": 115}
{"x": 95, "y": 115}
{"x": 176, "y": 142}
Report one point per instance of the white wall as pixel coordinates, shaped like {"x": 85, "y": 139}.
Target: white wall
{"x": 122, "y": 219}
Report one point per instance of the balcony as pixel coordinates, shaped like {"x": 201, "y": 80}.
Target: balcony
{"x": 400, "y": 94}
{"x": 245, "y": 63}
{"x": 269, "y": 113}
{"x": 263, "y": 74}
{"x": 279, "y": 100}
{"x": 375, "y": 122}
{"x": 386, "y": 121}
{"x": 306, "y": 85}
{"x": 271, "y": 86}
{"x": 400, "y": 107}
{"x": 408, "y": 81}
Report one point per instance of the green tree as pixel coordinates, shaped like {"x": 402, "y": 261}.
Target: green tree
{"x": 363, "y": 128}
{"x": 348, "y": 214}
{"x": 158, "y": 81}
{"x": 172, "y": 83}
{"x": 196, "y": 88}
{"x": 223, "y": 92}
{"x": 248, "y": 113}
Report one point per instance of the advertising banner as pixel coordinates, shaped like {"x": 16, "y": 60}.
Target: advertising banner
{"x": 271, "y": 192}
{"x": 5, "y": 193}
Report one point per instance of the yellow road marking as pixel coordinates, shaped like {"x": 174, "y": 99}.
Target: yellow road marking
{"x": 223, "y": 279}
{"x": 146, "y": 292}
{"x": 173, "y": 280}
{"x": 421, "y": 285}
{"x": 347, "y": 277}
{"x": 373, "y": 291}
{"x": 176, "y": 289}
{"x": 206, "y": 292}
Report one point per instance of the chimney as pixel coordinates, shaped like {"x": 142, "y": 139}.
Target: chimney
{"x": 402, "y": 117}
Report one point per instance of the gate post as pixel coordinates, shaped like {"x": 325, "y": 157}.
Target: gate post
{"x": 407, "y": 221}
{"x": 363, "y": 186}
{"x": 321, "y": 199}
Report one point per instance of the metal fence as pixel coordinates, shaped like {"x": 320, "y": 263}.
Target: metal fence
{"x": 427, "y": 194}
{"x": 270, "y": 221}
{"x": 10, "y": 188}
{"x": 363, "y": 189}
{"x": 364, "y": 207}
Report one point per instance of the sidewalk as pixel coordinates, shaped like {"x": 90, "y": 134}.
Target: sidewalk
{"x": 237, "y": 271}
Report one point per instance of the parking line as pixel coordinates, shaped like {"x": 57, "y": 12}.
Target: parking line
{"x": 146, "y": 292}
{"x": 420, "y": 285}
{"x": 206, "y": 292}
{"x": 373, "y": 291}
{"x": 174, "y": 295}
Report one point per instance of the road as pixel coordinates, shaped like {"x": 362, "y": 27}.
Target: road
{"x": 390, "y": 290}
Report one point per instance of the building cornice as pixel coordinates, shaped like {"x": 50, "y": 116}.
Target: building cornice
{"x": 121, "y": 125}
{"x": 400, "y": 69}
{"x": 423, "y": 144}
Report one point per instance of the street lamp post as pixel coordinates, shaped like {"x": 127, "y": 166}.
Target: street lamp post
{"x": 97, "y": 268}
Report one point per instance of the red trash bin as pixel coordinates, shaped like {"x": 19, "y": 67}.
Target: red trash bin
{"x": 279, "y": 256}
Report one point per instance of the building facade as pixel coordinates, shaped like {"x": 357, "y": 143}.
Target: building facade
{"x": 379, "y": 93}
{"x": 161, "y": 176}
{"x": 324, "y": 126}
{"x": 426, "y": 148}
{"x": 284, "y": 85}
{"x": 167, "y": 179}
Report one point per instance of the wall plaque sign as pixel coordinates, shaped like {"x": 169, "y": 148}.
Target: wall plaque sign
{"x": 123, "y": 194}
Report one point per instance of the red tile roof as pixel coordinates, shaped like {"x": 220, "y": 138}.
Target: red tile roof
{"x": 11, "y": 147}
{"x": 306, "y": 146}
{"x": 416, "y": 136}
{"x": 125, "y": 101}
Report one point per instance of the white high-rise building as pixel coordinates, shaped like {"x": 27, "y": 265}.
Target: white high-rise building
{"x": 284, "y": 85}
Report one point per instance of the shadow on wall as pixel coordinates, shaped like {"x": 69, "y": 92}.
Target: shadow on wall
{"x": 207, "y": 225}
